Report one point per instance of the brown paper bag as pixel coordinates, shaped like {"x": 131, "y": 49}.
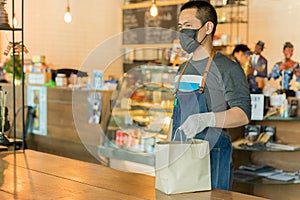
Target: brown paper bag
{"x": 182, "y": 166}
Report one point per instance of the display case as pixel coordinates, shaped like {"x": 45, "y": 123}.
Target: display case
{"x": 141, "y": 114}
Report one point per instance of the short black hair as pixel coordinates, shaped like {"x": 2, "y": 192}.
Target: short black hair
{"x": 205, "y": 12}
{"x": 288, "y": 45}
{"x": 240, "y": 47}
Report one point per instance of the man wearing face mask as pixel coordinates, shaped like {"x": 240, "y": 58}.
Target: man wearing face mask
{"x": 211, "y": 91}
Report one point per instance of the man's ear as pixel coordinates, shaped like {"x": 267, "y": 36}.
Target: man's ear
{"x": 209, "y": 27}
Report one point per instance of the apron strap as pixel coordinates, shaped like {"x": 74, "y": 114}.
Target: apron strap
{"x": 201, "y": 89}
{"x": 180, "y": 76}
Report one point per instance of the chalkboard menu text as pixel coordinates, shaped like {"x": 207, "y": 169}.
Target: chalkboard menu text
{"x": 139, "y": 27}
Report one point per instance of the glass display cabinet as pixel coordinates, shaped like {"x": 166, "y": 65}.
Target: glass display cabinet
{"x": 141, "y": 114}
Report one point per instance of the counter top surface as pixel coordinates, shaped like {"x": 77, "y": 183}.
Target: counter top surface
{"x": 36, "y": 175}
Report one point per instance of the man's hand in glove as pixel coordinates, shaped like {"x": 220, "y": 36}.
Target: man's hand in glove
{"x": 198, "y": 122}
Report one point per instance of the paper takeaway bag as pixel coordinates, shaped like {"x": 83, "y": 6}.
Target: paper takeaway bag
{"x": 182, "y": 167}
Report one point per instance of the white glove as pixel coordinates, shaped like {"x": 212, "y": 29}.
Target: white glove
{"x": 197, "y": 122}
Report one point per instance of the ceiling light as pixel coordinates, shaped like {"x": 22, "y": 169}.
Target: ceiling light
{"x": 15, "y": 21}
{"x": 153, "y": 9}
{"x": 68, "y": 16}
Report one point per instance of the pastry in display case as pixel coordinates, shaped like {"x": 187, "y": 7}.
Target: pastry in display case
{"x": 141, "y": 110}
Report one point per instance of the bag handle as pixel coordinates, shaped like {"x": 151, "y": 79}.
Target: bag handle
{"x": 175, "y": 134}
{"x": 201, "y": 153}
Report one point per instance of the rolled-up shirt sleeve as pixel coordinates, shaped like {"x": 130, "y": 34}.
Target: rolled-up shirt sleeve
{"x": 237, "y": 92}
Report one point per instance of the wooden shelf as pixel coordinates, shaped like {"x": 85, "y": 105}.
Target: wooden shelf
{"x": 252, "y": 178}
{"x": 236, "y": 145}
{"x": 275, "y": 118}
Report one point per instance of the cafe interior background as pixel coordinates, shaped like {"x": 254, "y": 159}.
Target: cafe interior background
{"x": 82, "y": 44}
{"x": 67, "y": 45}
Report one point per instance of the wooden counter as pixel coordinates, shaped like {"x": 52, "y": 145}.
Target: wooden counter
{"x": 36, "y": 175}
{"x": 68, "y": 131}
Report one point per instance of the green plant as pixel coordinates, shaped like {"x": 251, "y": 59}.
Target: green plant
{"x": 18, "y": 67}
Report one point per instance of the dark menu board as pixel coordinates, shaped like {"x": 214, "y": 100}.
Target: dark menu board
{"x": 141, "y": 28}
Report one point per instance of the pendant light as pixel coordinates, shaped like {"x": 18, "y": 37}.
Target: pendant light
{"x": 68, "y": 16}
{"x": 153, "y": 9}
{"x": 15, "y": 21}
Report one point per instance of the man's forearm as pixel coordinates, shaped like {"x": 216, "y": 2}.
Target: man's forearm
{"x": 231, "y": 118}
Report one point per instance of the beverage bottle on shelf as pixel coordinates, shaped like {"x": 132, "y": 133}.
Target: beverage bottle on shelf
{"x": 284, "y": 110}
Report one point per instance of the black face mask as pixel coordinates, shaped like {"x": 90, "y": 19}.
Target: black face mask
{"x": 188, "y": 39}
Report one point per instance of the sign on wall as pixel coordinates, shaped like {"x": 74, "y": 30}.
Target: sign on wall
{"x": 257, "y": 106}
{"x": 37, "y": 98}
{"x": 94, "y": 107}
{"x": 141, "y": 28}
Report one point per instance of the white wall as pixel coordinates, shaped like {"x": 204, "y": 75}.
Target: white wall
{"x": 68, "y": 45}
{"x": 275, "y": 22}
